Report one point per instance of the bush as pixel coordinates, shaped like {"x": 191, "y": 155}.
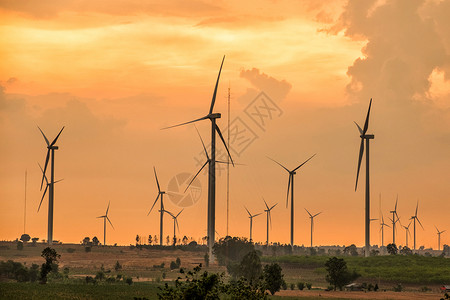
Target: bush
{"x": 70, "y": 250}
{"x": 117, "y": 266}
{"x": 284, "y": 285}
{"x": 129, "y": 281}
{"x": 87, "y": 249}
{"x": 300, "y": 286}
{"x": 100, "y": 275}
{"x": 292, "y": 286}
{"x": 89, "y": 279}
{"x": 425, "y": 289}
{"x": 163, "y": 275}
{"x": 19, "y": 245}
{"x": 273, "y": 279}
{"x": 308, "y": 286}
{"x": 398, "y": 288}
{"x": 173, "y": 265}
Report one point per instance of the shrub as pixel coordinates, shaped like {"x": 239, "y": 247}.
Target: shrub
{"x": 273, "y": 279}
{"x": 308, "y": 286}
{"x": 398, "y": 288}
{"x": 19, "y": 245}
{"x": 284, "y": 285}
{"x": 129, "y": 281}
{"x": 100, "y": 275}
{"x": 300, "y": 286}
{"x": 89, "y": 279}
{"x": 163, "y": 275}
{"x": 292, "y": 286}
{"x": 173, "y": 265}
{"x": 117, "y": 266}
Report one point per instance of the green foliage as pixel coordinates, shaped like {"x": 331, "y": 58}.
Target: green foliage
{"x": 51, "y": 263}
{"x": 273, "y": 278}
{"x": 308, "y": 286}
{"x": 175, "y": 264}
{"x": 351, "y": 250}
{"x": 231, "y": 250}
{"x": 292, "y": 286}
{"x": 250, "y": 267}
{"x": 100, "y": 276}
{"x": 129, "y": 280}
{"x": 17, "y": 271}
{"x": 338, "y": 274}
{"x": 392, "y": 249}
{"x": 300, "y": 286}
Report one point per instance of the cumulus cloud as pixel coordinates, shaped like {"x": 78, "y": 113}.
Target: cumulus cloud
{"x": 277, "y": 89}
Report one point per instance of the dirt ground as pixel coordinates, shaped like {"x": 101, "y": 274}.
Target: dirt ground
{"x": 362, "y": 295}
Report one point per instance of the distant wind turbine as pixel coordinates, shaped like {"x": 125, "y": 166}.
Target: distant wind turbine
{"x": 414, "y": 218}
{"x": 367, "y": 138}
{"x": 394, "y": 221}
{"x": 50, "y": 151}
{"x": 312, "y": 224}
{"x": 382, "y": 230}
{"x": 175, "y": 223}
{"x": 212, "y": 166}
{"x": 407, "y": 232}
{"x": 269, "y": 219}
{"x": 105, "y": 217}
{"x": 439, "y": 237}
{"x": 291, "y": 189}
{"x": 251, "y": 221}
{"x": 161, "y": 210}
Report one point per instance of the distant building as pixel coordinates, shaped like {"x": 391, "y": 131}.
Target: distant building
{"x": 445, "y": 288}
{"x": 354, "y": 287}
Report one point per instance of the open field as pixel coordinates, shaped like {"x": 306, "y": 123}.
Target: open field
{"x": 413, "y": 272}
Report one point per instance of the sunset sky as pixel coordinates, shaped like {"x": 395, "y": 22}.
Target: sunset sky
{"x": 116, "y": 72}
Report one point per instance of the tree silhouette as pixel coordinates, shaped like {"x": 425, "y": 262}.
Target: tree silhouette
{"x": 51, "y": 257}
{"x": 392, "y": 249}
{"x": 338, "y": 274}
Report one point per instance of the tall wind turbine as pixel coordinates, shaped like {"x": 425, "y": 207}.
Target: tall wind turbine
{"x": 47, "y": 185}
{"x": 291, "y": 189}
{"x": 269, "y": 219}
{"x": 212, "y": 166}
{"x": 105, "y": 217}
{"x": 407, "y": 232}
{"x": 439, "y": 237}
{"x": 161, "y": 210}
{"x": 394, "y": 220}
{"x": 50, "y": 152}
{"x": 175, "y": 223}
{"x": 414, "y": 218}
{"x": 312, "y": 224}
{"x": 382, "y": 230}
{"x": 251, "y": 221}
{"x": 367, "y": 138}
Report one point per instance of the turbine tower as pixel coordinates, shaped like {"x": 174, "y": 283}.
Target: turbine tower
{"x": 175, "y": 223}
{"x": 50, "y": 152}
{"x": 312, "y": 224}
{"x": 414, "y": 218}
{"x": 291, "y": 189}
{"x": 212, "y": 167}
{"x": 367, "y": 138}
{"x": 394, "y": 221}
{"x": 47, "y": 185}
{"x": 269, "y": 219}
{"x": 407, "y": 232}
{"x": 439, "y": 237}
{"x": 251, "y": 221}
{"x": 105, "y": 217}
{"x": 382, "y": 230}
{"x": 161, "y": 210}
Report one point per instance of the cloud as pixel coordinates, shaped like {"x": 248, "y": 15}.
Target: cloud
{"x": 277, "y": 89}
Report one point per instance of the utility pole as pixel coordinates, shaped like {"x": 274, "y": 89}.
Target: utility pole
{"x": 228, "y": 162}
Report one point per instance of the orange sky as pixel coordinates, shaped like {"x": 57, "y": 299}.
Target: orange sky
{"x": 116, "y": 72}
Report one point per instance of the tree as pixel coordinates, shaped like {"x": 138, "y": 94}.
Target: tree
{"x": 25, "y": 238}
{"x": 117, "y": 266}
{"x": 34, "y": 241}
{"x": 406, "y": 251}
{"x": 150, "y": 239}
{"x": 168, "y": 240}
{"x": 137, "y": 239}
{"x": 155, "y": 238}
{"x": 250, "y": 267}
{"x": 338, "y": 274}
{"x": 95, "y": 241}
{"x": 185, "y": 240}
{"x": 273, "y": 279}
{"x": 392, "y": 249}
{"x": 231, "y": 250}
{"x": 51, "y": 258}
{"x": 351, "y": 250}
{"x": 86, "y": 241}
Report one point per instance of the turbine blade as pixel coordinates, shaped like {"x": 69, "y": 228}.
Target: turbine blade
{"x": 153, "y": 204}
{"x": 395, "y": 208}
{"x": 417, "y": 207}
{"x": 157, "y": 182}
{"x": 43, "y": 174}
{"x": 321, "y": 212}
{"x": 225, "y": 144}
{"x": 196, "y": 120}
{"x": 436, "y": 228}
{"x": 179, "y": 213}
{"x": 366, "y": 123}
{"x": 279, "y": 164}
{"x": 56, "y": 138}
{"x": 178, "y": 227}
{"x": 110, "y": 222}
{"x": 289, "y": 185}
{"x": 270, "y": 219}
{"x": 359, "y": 128}
{"x": 308, "y": 212}
{"x": 203, "y": 144}
{"x": 107, "y": 208}
{"x": 420, "y": 223}
{"x": 267, "y": 206}
{"x": 257, "y": 215}
{"x": 273, "y": 206}
{"x": 193, "y": 178}
{"x": 45, "y": 138}
{"x": 58, "y": 180}
{"x": 361, "y": 152}
{"x": 45, "y": 167}
{"x": 304, "y": 163}
{"x": 43, "y": 195}
{"x": 248, "y": 212}
{"x": 215, "y": 88}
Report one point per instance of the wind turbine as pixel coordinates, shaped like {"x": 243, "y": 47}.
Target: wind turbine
{"x": 407, "y": 232}
{"x": 50, "y": 152}
{"x": 393, "y": 220}
{"x": 439, "y": 237}
{"x": 291, "y": 187}
{"x": 175, "y": 223}
{"x": 47, "y": 184}
{"x": 382, "y": 230}
{"x": 367, "y": 137}
{"x": 414, "y": 218}
{"x": 312, "y": 224}
{"x": 105, "y": 217}
{"x": 251, "y": 221}
{"x": 269, "y": 219}
{"x": 212, "y": 166}
{"x": 161, "y": 210}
